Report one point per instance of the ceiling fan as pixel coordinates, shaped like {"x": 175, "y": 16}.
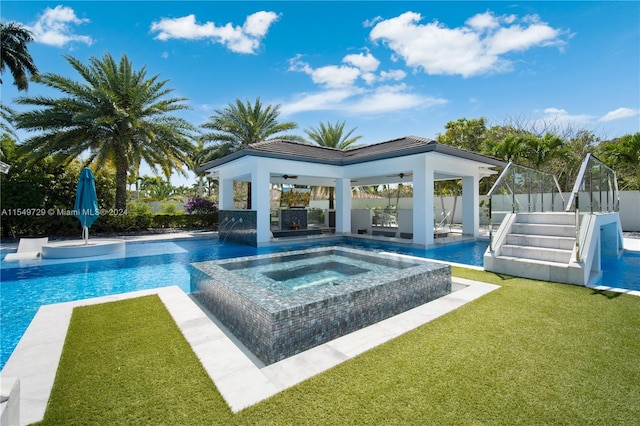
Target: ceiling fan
{"x": 401, "y": 175}
{"x": 285, "y": 177}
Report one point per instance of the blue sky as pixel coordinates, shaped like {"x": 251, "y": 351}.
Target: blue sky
{"x": 389, "y": 69}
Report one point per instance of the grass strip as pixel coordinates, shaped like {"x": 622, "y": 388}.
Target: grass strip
{"x": 127, "y": 362}
{"x": 529, "y": 352}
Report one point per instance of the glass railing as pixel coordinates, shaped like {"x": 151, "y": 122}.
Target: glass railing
{"x": 595, "y": 191}
{"x": 522, "y": 189}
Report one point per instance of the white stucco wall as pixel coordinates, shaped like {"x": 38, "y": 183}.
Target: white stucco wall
{"x": 630, "y": 211}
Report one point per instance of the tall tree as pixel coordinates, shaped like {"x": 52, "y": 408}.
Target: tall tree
{"x": 466, "y": 134}
{"x": 566, "y": 163}
{"x": 198, "y": 157}
{"x": 240, "y": 124}
{"x": 332, "y": 136}
{"x": 623, "y": 155}
{"x": 115, "y": 116}
{"x": 470, "y": 135}
{"x": 15, "y": 55}
{"x": 539, "y": 151}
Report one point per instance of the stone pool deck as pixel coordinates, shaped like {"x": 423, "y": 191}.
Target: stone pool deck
{"x": 239, "y": 376}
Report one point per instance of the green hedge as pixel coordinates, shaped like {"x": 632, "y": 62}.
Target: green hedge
{"x": 64, "y": 226}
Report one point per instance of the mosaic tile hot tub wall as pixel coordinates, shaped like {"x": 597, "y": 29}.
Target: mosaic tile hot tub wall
{"x": 275, "y": 327}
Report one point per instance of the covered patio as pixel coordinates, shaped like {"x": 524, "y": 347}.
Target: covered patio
{"x": 408, "y": 160}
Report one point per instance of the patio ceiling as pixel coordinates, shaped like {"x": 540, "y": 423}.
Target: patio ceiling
{"x": 400, "y": 177}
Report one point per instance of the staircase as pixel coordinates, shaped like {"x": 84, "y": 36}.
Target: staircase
{"x": 548, "y": 237}
{"x": 535, "y": 245}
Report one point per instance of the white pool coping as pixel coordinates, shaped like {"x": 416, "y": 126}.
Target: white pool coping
{"x": 241, "y": 379}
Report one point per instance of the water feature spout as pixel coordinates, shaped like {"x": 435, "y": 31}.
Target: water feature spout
{"x": 228, "y": 231}
{"x": 225, "y": 222}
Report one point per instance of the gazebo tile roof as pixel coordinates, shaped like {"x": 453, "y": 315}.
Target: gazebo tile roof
{"x": 292, "y": 150}
{"x": 298, "y": 149}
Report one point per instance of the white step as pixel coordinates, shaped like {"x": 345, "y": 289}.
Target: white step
{"x": 537, "y": 253}
{"x": 534, "y": 269}
{"x": 547, "y": 218}
{"x": 543, "y": 229}
{"x": 547, "y": 241}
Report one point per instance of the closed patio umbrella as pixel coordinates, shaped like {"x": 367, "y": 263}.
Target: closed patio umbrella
{"x": 86, "y": 206}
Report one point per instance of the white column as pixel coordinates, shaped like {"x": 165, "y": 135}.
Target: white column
{"x": 470, "y": 205}
{"x": 343, "y": 206}
{"x": 423, "y": 178}
{"x": 225, "y": 193}
{"x": 260, "y": 195}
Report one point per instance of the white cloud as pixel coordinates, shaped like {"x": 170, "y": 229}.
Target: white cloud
{"x": 392, "y": 98}
{"x": 335, "y": 76}
{"x": 355, "y": 87}
{"x": 483, "y": 21}
{"x": 469, "y": 50}
{"x": 55, "y": 27}
{"x": 392, "y": 75}
{"x": 619, "y": 114}
{"x": 319, "y": 101}
{"x": 330, "y": 76}
{"x": 365, "y": 62}
{"x": 258, "y": 23}
{"x": 560, "y": 117}
{"x": 369, "y": 77}
{"x": 358, "y": 101}
{"x": 517, "y": 38}
{"x": 371, "y": 22}
{"x": 239, "y": 39}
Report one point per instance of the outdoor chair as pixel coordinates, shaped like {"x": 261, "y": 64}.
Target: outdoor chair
{"x": 28, "y": 248}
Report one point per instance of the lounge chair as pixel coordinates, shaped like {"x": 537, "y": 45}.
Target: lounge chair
{"x": 28, "y": 248}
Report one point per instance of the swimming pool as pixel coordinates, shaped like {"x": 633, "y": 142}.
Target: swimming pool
{"x": 147, "y": 265}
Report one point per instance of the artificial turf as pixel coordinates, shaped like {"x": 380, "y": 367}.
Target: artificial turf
{"x": 528, "y": 353}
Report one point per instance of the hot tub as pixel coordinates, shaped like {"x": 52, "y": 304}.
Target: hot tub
{"x": 281, "y": 304}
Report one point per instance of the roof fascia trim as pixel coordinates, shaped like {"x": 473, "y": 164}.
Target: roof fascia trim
{"x": 345, "y": 160}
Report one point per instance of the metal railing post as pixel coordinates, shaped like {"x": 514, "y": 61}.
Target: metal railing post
{"x": 490, "y": 228}
{"x": 529, "y": 193}
{"x": 577, "y": 198}
{"x": 513, "y": 198}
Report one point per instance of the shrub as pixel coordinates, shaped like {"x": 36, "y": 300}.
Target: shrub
{"x": 200, "y": 205}
{"x": 170, "y": 208}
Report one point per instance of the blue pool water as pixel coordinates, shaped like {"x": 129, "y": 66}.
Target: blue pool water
{"x": 158, "y": 264}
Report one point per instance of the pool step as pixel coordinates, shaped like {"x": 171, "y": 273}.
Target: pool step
{"x": 537, "y": 246}
{"x": 547, "y": 241}
{"x": 554, "y": 255}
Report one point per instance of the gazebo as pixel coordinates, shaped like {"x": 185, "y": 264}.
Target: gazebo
{"x": 409, "y": 159}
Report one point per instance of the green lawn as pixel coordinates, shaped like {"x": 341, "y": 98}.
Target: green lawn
{"x": 528, "y": 353}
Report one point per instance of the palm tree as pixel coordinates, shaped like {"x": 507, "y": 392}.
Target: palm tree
{"x": 6, "y": 121}
{"x": 117, "y": 115}
{"x": 332, "y": 136}
{"x": 239, "y": 125}
{"x": 14, "y": 54}
{"x": 199, "y": 156}
{"x": 624, "y": 156}
{"x": 539, "y": 151}
{"x": 157, "y": 189}
{"x": 508, "y": 149}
